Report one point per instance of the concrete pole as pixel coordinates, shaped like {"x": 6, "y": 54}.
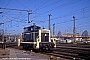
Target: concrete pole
{"x": 49, "y": 21}
{"x": 29, "y": 12}
{"x": 74, "y": 31}
{"x": 54, "y": 29}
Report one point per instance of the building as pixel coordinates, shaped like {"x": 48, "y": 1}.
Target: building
{"x": 70, "y": 36}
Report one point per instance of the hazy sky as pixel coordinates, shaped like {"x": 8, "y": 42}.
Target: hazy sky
{"x": 62, "y": 12}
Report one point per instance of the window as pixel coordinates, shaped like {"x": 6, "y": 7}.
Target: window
{"x": 44, "y": 37}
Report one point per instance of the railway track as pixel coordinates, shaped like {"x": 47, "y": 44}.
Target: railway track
{"x": 71, "y": 51}
{"x": 67, "y": 51}
{"x": 63, "y": 55}
{"x": 82, "y": 45}
{"x": 81, "y": 51}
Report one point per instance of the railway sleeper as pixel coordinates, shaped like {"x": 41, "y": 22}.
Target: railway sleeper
{"x": 63, "y": 56}
{"x": 72, "y": 50}
{"x": 81, "y": 54}
{"x": 84, "y": 56}
{"x": 74, "y": 45}
{"x": 66, "y": 53}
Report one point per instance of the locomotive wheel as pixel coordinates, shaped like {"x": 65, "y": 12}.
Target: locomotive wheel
{"x": 47, "y": 48}
{"x": 24, "y": 47}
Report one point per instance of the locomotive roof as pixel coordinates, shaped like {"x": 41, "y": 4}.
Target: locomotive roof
{"x": 32, "y": 26}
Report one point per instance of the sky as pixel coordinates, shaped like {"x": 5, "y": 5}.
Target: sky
{"x": 62, "y": 12}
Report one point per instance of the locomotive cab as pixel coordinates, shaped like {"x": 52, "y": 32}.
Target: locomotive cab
{"x": 45, "y": 41}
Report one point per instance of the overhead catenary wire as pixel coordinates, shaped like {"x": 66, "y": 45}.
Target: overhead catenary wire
{"x": 29, "y": 11}
{"x": 86, "y": 9}
{"x": 68, "y": 3}
{"x": 15, "y": 9}
{"x": 30, "y": 2}
{"x": 45, "y": 6}
{"x": 58, "y": 18}
{"x": 18, "y": 9}
{"x": 11, "y": 18}
{"x": 81, "y": 18}
{"x": 8, "y": 3}
{"x": 2, "y": 3}
{"x": 60, "y": 5}
{"x": 80, "y": 25}
{"x": 9, "y": 14}
{"x": 25, "y": 6}
{"x": 49, "y": 5}
{"x": 76, "y": 20}
{"x": 6, "y": 15}
{"x": 41, "y": 5}
{"x": 22, "y": 4}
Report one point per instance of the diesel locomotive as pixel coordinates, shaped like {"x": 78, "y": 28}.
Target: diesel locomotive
{"x": 36, "y": 38}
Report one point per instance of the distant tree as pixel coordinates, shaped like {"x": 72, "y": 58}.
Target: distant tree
{"x": 59, "y": 33}
{"x": 85, "y": 33}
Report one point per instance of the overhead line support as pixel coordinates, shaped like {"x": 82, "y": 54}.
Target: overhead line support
{"x": 49, "y": 21}
{"x": 74, "y": 30}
